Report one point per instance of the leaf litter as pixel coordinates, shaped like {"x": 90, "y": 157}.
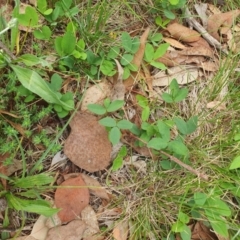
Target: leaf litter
{"x": 85, "y": 130}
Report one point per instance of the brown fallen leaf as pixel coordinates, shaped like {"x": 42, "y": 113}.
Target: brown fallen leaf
{"x": 201, "y": 232}
{"x": 88, "y": 145}
{"x": 182, "y": 33}
{"x": 120, "y": 232}
{"x": 90, "y": 219}
{"x": 218, "y": 105}
{"x": 221, "y": 20}
{"x": 96, "y": 94}
{"x": 137, "y": 60}
{"x": 73, "y": 230}
{"x": 200, "y": 43}
{"x": 95, "y": 187}
{"x": 71, "y": 197}
{"x": 39, "y": 230}
{"x": 174, "y": 43}
{"x": 183, "y": 75}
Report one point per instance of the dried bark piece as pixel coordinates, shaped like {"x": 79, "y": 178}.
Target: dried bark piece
{"x": 88, "y": 145}
{"x": 71, "y": 197}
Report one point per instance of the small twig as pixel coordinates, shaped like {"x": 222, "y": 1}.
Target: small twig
{"x": 190, "y": 169}
{"x": 211, "y": 40}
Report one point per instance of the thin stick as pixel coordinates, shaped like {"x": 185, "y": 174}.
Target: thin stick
{"x": 190, "y": 169}
{"x": 211, "y": 40}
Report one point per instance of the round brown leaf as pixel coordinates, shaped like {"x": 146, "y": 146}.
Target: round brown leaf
{"x": 88, "y": 145}
{"x": 71, "y": 197}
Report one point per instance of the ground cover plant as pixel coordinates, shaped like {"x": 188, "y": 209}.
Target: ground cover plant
{"x": 119, "y": 121}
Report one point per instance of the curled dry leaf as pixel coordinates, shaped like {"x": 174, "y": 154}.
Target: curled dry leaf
{"x": 218, "y": 105}
{"x": 88, "y": 145}
{"x": 183, "y": 75}
{"x": 182, "y": 33}
{"x": 39, "y": 230}
{"x": 200, "y": 231}
{"x": 174, "y": 43}
{"x": 120, "y": 232}
{"x": 137, "y": 60}
{"x": 221, "y": 20}
{"x": 201, "y": 43}
{"x": 71, "y": 197}
{"x": 74, "y": 231}
{"x": 96, "y": 94}
{"x": 90, "y": 219}
{"x": 118, "y": 90}
{"x": 94, "y": 187}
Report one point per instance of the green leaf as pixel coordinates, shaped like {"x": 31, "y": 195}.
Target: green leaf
{"x": 126, "y": 59}
{"x": 192, "y": 124}
{"x": 81, "y": 45}
{"x": 164, "y": 130}
{"x": 34, "y": 82}
{"x": 97, "y": 109}
{"x": 124, "y": 124}
{"x": 182, "y": 94}
{"x": 108, "y": 122}
{"x": 200, "y": 198}
{"x": 186, "y": 127}
{"x": 42, "y": 5}
{"x": 122, "y": 152}
{"x": 29, "y": 59}
{"x": 157, "y": 143}
{"x": 142, "y": 101}
{"x": 178, "y": 227}
{"x": 117, "y": 163}
{"x": 135, "y": 45}
{"x": 158, "y": 65}
{"x": 114, "y": 135}
{"x": 126, "y": 72}
{"x": 29, "y": 18}
{"x": 43, "y": 34}
{"x": 33, "y": 181}
{"x": 156, "y": 37}
{"x": 132, "y": 67}
{"x": 219, "y": 227}
{"x": 107, "y": 68}
{"x": 186, "y": 233}
{"x": 135, "y": 130}
{"x": 36, "y": 206}
{"x": 173, "y": 2}
{"x": 56, "y": 82}
{"x": 62, "y": 114}
{"x": 161, "y": 50}
{"x": 68, "y": 43}
{"x": 145, "y": 114}
{"x": 167, "y": 98}
{"x": 115, "y": 105}
{"x": 58, "y": 46}
{"x": 183, "y": 217}
{"x": 181, "y": 125}
{"x": 178, "y": 148}
{"x": 235, "y": 163}
{"x": 57, "y": 108}
{"x": 106, "y": 102}
{"x": 148, "y": 53}
{"x": 166, "y": 164}
{"x": 215, "y": 206}
{"x": 169, "y": 14}
{"x": 113, "y": 53}
{"x": 126, "y": 42}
